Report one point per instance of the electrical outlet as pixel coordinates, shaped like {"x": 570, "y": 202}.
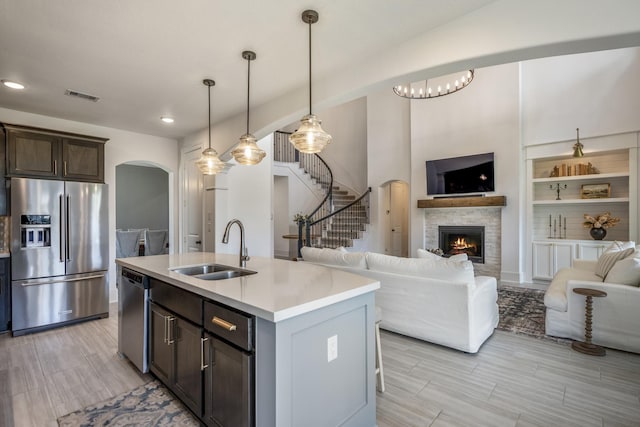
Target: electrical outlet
{"x": 332, "y": 348}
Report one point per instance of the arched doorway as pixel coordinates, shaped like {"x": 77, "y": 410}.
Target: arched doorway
{"x": 142, "y": 198}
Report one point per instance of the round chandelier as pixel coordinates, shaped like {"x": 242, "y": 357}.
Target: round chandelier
{"x": 436, "y": 87}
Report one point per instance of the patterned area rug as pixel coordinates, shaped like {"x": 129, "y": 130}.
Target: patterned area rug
{"x": 148, "y": 405}
{"x": 522, "y": 311}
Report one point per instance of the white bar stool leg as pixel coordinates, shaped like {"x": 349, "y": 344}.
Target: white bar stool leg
{"x": 379, "y": 368}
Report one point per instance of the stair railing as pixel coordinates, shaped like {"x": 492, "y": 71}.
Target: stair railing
{"x": 315, "y": 166}
{"x": 346, "y": 220}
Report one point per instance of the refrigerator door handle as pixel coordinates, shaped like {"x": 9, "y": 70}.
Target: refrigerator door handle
{"x": 67, "y": 231}
{"x": 75, "y": 279}
{"x": 61, "y": 241}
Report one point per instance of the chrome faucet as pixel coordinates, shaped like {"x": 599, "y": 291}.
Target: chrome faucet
{"x": 244, "y": 257}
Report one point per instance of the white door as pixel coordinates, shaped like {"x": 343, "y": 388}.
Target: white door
{"x": 192, "y": 202}
{"x": 399, "y": 218}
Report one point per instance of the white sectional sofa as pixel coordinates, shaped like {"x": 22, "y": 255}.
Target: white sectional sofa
{"x": 435, "y": 299}
{"x": 616, "y": 317}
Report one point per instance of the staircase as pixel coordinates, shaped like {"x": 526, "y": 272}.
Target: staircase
{"x": 341, "y": 217}
{"x": 343, "y": 228}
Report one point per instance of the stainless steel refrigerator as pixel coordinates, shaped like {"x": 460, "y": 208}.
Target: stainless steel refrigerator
{"x": 59, "y": 253}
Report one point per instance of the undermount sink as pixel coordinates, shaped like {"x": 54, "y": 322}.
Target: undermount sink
{"x": 213, "y": 271}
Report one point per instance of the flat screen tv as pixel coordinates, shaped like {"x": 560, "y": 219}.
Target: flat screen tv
{"x": 460, "y": 175}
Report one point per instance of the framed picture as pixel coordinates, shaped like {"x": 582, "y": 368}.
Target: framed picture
{"x": 595, "y": 191}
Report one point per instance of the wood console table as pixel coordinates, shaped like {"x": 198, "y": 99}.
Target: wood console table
{"x": 587, "y": 347}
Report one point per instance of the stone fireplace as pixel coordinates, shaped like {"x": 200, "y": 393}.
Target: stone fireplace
{"x": 454, "y": 240}
{"x": 462, "y": 216}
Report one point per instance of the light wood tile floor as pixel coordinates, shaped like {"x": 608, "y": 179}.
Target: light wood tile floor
{"x": 513, "y": 380}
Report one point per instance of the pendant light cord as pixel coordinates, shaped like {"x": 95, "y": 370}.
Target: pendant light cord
{"x": 248, "y": 89}
{"x": 310, "y": 68}
{"x": 209, "y": 98}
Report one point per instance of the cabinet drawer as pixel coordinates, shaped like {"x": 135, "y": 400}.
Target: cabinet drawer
{"x": 184, "y": 303}
{"x": 231, "y": 325}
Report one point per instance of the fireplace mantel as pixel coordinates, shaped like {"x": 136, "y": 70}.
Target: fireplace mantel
{"x": 463, "y": 202}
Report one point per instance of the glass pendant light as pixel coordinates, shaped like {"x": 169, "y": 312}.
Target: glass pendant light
{"x": 247, "y": 152}
{"x": 310, "y": 138}
{"x": 209, "y": 163}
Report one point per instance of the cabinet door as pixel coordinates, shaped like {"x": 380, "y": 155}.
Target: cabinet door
{"x": 590, "y": 251}
{"x": 543, "y": 260}
{"x": 188, "y": 373}
{"x": 161, "y": 359}
{"x": 33, "y": 154}
{"x": 563, "y": 254}
{"x": 82, "y": 160}
{"x": 5, "y": 300}
{"x": 229, "y": 392}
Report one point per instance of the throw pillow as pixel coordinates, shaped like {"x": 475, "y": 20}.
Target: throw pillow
{"x": 423, "y": 253}
{"x": 334, "y": 257}
{"x": 626, "y": 271}
{"x": 618, "y": 246}
{"x": 609, "y": 258}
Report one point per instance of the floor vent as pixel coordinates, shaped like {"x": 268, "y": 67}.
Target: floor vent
{"x": 81, "y": 95}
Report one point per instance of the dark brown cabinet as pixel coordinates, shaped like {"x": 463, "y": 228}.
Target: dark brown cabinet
{"x": 204, "y": 352}
{"x": 228, "y": 387}
{"x": 175, "y": 350}
{"x": 41, "y": 153}
{"x": 5, "y": 299}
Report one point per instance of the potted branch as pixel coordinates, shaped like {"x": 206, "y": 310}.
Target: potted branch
{"x": 598, "y": 225}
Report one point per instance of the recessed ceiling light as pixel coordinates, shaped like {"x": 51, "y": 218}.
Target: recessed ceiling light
{"x": 12, "y": 84}
{"x": 167, "y": 119}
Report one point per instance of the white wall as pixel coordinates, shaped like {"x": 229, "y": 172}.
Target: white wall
{"x": 598, "y": 92}
{"x": 122, "y": 147}
{"x": 388, "y": 154}
{"x": 484, "y": 117}
{"x": 248, "y": 198}
{"x": 347, "y": 153}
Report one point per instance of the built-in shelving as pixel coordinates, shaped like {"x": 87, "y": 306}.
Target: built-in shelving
{"x": 556, "y": 207}
{"x": 595, "y": 176}
{"x": 582, "y": 201}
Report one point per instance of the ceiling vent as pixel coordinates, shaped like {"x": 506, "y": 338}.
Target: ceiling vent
{"x": 81, "y": 95}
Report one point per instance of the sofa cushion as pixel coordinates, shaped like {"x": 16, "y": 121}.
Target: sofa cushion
{"x": 609, "y": 258}
{"x": 626, "y": 271}
{"x": 452, "y": 271}
{"x": 556, "y": 295}
{"x": 334, "y": 257}
{"x": 423, "y": 253}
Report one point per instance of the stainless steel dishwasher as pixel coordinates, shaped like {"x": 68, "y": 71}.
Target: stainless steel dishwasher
{"x": 133, "y": 318}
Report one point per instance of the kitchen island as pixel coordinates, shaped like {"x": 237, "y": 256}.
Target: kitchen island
{"x": 310, "y": 351}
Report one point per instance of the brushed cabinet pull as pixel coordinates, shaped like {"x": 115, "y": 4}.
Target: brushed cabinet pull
{"x": 55, "y": 167}
{"x": 166, "y": 328}
{"x": 171, "y": 338}
{"x": 202, "y": 365}
{"x": 65, "y": 167}
{"x": 223, "y": 324}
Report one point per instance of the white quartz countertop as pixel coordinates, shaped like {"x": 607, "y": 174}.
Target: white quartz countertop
{"x": 280, "y": 290}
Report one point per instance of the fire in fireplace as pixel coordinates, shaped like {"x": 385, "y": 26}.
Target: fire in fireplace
{"x": 468, "y": 240}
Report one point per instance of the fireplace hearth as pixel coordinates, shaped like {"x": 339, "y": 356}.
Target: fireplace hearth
{"x": 468, "y": 240}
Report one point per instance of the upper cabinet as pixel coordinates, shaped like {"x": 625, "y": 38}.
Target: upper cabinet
{"x": 41, "y": 153}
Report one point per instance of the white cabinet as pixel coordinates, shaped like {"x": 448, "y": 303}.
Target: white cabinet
{"x": 551, "y": 256}
{"x": 591, "y": 250}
